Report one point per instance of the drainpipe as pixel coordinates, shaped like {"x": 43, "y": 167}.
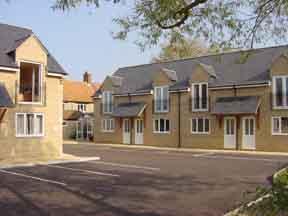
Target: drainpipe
{"x": 179, "y": 119}
{"x": 237, "y": 122}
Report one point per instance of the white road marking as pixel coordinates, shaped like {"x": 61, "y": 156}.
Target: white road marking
{"x": 242, "y": 158}
{"x": 82, "y": 170}
{"x": 33, "y": 177}
{"x": 203, "y": 154}
{"x": 125, "y": 165}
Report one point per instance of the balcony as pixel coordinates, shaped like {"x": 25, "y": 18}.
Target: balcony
{"x": 30, "y": 85}
{"x": 161, "y": 106}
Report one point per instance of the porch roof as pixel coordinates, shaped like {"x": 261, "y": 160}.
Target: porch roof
{"x": 236, "y": 105}
{"x": 132, "y": 109}
{"x": 5, "y": 99}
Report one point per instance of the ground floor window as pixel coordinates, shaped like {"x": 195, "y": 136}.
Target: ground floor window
{"x": 200, "y": 126}
{"x": 280, "y": 125}
{"x": 161, "y": 125}
{"x": 29, "y": 124}
{"x": 108, "y": 125}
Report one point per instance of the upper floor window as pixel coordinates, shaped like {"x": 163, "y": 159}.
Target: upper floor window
{"x": 107, "y": 102}
{"x": 280, "y": 91}
{"x": 81, "y": 107}
{"x": 200, "y": 96}
{"x": 30, "y": 82}
{"x": 161, "y": 99}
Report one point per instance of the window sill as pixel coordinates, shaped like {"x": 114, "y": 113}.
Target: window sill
{"x": 279, "y": 134}
{"x": 29, "y": 136}
{"x": 200, "y": 110}
{"x": 155, "y": 132}
{"x": 159, "y": 112}
{"x": 200, "y": 133}
{"x": 280, "y": 107}
{"x": 29, "y": 103}
{"x": 105, "y": 131}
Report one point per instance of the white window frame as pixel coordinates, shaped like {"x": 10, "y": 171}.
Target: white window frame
{"x": 197, "y": 127}
{"x": 200, "y": 84}
{"x": 284, "y": 90}
{"x": 104, "y": 124}
{"x": 162, "y": 110}
{"x": 280, "y": 125}
{"x": 25, "y": 125}
{"x": 165, "y": 126}
{"x": 82, "y": 108}
{"x": 41, "y": 74}
{"x": 105, "y": 104}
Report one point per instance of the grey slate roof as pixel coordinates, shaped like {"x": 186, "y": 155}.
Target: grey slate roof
{"x": 171, "y": 74}
{"x": 227, "y": 69}
{"x": 132, "y": 109}
{"x": 236, "y": 105}
{"x": 5, "y": 99}
{"x": 10, "y": 38}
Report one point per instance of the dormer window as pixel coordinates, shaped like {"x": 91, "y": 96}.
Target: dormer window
{"x": 161, "y": 99}
{"x": 200, "y": 96}
{"x": 107, "y": 102}
{"x": 280, "y": 92}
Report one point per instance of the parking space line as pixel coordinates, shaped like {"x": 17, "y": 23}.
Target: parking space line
{"x": 33, "y": 177}
{"x": 203, "y": 154}
{"x": 82, "y": 170}
{"x": 125, "y": 165}
{"x": 241, "y": 158}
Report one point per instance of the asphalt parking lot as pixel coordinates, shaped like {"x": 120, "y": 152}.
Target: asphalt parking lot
{"x": 138, "y": 182}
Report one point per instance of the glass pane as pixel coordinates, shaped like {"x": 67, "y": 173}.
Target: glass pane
{"x": 207, "y": 122}
{"x": 246, "y": 126}
{"x": 279, "y": 92}
{"x": 39, "y": 125}
{"x": 196, "y": 97}
{"x": 204, "y": 96}
{"x": 232, "y": 126}
{"x": 194, "y": 125}
{"x": 20, "y": 124}
{"x": 284, "y": 125}
{"x": 276, "y": 125}
{"x": 251, "y": 126}
{"x": 287, "y": 91}
{"x": 156, "y": 125}
{"x": 228, "y": 127}
{"x": 162, "y": 125}
{"x": 30, "y": 125}
{"x": 167, "y": 125}
{"x": 200, "y": 125}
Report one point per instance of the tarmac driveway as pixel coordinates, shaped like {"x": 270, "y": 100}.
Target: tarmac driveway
{"x": 138, "y": 182}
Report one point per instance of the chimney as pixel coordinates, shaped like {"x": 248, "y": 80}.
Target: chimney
{"x": 87, "y": 77}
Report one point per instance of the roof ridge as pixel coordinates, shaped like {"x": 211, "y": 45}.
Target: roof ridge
{"x": 208, "y": 55}
{"x": 16, "y": 27}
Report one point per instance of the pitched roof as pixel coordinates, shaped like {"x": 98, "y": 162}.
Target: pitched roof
{"x": 78, "y": 91}
{"x": 11, "y": 38}
{"x": 129, "y": 109}
{"x": 227, "y": 69}
{"x": 236, "y": 105}
{"x": 5, "y": 99}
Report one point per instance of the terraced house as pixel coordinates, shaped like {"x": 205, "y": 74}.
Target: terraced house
{"x": 236, "y": 100}
{"x": 31, "y": 97}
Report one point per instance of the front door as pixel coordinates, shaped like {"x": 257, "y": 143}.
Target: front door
{"x": 139, "y": 130}
{"x": 126, "y": 131}
{"x": 248, "y": 139}
{"x": 230, "y": 132}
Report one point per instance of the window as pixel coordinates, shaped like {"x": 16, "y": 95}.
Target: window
{"x": 161, "y": 125}
{"x": 200, "y": 125}
{"x": 200, "y": 97}
{"x": 108, "y": 125}
{"x": 82, "y": 107}
{"x": 161, "y": 96}
{"x": 29, "y": 124}
{"x": 107, "y": 102}
{"x": 280, "y": 91}
{"x": 279, "y": 125}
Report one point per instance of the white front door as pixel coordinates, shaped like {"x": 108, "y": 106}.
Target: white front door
{"x": 126, "y": 131}
{"x": 139, "y": 130}
{"x": 230, "y": 132}
{"x": 248, "y": 138}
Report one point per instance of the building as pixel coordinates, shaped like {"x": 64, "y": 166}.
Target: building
{"x": 78, "y": 108}
{"x": 31, "y": 95}
{"x": 236, "y": 100}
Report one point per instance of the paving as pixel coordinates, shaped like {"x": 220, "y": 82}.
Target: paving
{"x": 138, "y": 182}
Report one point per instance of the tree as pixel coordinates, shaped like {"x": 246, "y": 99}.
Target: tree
{"x": 226, "y": 23}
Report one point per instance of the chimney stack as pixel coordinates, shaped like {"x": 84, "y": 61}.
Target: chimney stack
{"x": 87, "y": 77}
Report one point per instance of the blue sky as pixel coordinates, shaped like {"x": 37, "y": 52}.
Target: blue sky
{"x": 80, "y": 39}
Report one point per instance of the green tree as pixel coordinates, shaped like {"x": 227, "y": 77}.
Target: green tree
{"x": 231, "y": 23}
